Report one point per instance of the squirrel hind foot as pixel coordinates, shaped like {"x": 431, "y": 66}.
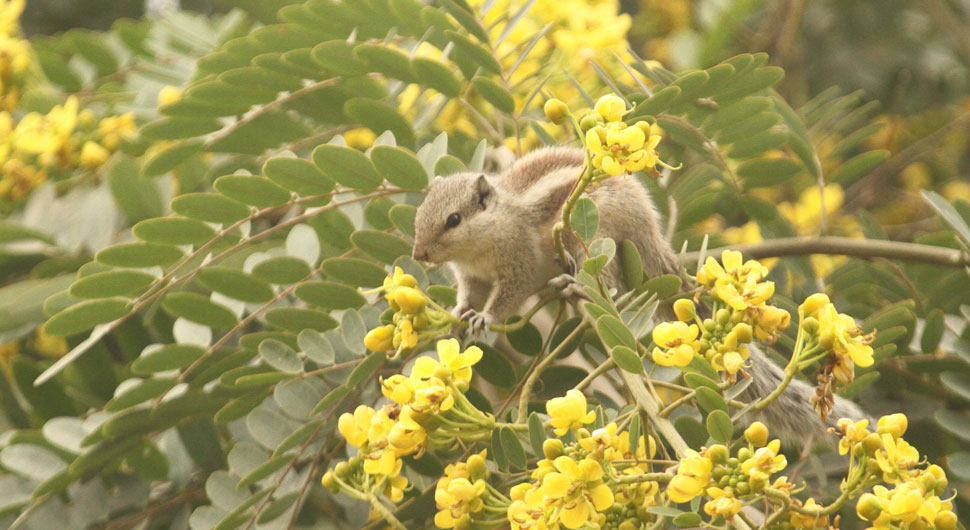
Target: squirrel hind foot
{"x": 568, "y": 287}
{"x": 478, "y": 322}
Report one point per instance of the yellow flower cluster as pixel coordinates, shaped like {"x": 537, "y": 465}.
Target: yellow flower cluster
{"x": 15, "y": 56}
{"x": 461, "y": 495}
{"x": 616, "y": 147}
{"x": 594, "y": 481}
{"x": 838, "y": 334}
{"x": 914, "y": 500}
{"x": 428, "y": 410}
{"x": 728, "y": 480}
{"x": 413, "y": 322}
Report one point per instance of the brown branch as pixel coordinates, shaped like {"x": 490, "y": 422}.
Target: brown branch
{"x": 845, "y": 246}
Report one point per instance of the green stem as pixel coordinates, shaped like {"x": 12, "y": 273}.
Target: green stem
{"x": 790, "y": 371}
{"x": 385, "y": 513}
{"x": 603, "y": 367}
{"x": 523, "y": 413}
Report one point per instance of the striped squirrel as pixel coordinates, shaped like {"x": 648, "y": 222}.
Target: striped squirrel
{"x": 496, "y": 232}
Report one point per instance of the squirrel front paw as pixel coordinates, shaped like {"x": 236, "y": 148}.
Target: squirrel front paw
{"x": 571, "y": 267}
{"x": 568, "y": 287}
{"x": 477, "y": 321}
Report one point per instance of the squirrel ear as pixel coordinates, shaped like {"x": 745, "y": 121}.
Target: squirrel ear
{"x": 483, "y": 189}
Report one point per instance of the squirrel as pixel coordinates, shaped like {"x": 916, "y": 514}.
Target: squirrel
{"x": 496, "y": 233}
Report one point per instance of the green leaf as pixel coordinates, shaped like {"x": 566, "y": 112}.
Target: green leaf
{"x": 353, "y": 271}
{"x": 494, "y": 93}
{"x": 448, "y": 165}
{"x": 365, "y": 368}
{"x": 139, "y": 393}
{"x": 281, "y": 270}
{"x": 626, "y": 358}
{"x": 537, "y": 434}
{"x": 173, "y": 231}
{"x": 112, "y": 283}
{"x": 526, "y": 340}
{"x": 437, "y": 76}
{"x": 949, "y": 215}
{"x": 338, "y": 56}
{"x": 957, "y": 383}
{"x": 634, "y": 434}
{"x": 347, "y": 166}
{"x": 719, "y": 426}
{"x": 32, "y": 461}
{"x": 330, "y": 295}
{"x": 476, "y": 52}
{"x": 656, "y": 103}
{"x": 762, "y": 172}
{"x": 254, "y": 191}
{"x": 758, "y": 144}
{"x": 297, "y": 319}
{"x": 697, "y": 380}
{"x": 751, "y": 82}
{"x": 853, "y": 168}
{"x": 382, "y": 246}
{"x": 316, "y": 346}
{"x": 177, "y": 128}
{"x": 387, "y": 61}
{"x": 86, "y": 315}
{"x": 235, "y": 284}
{"x": 512, "y": 448}
{"x": 280, "y": 356}
{"x": 497, "y": 454}
{"x": 170, "y": 157}
{"x": 585, "y": 219}
{"x": 379, "y": 117}
{"x": 466, "y": 18}
{"x": 954, "y": 422}
{"x": 298, "y": 175}
{"x": 168, "y": 357}
{"x": 199, "y": 309}
{"x": 399, "y": 166}
{"x": 138, "y": 255}
{"x": 710, "y": 399}
{"x": 240, "y": 407}
{"x": 687, "y": 519}
{"x": 602, "y": 251}
{"x": 932, "y": 331}
{"x": 137, "y": 199}
{"x": 10, "y": 232}
{"x": 210, "y": 207}
{"x": 959, "y": 465}
{"x": 331, "y": 399}
{"x": 494, "y": 367}
{"x": 632, "y": 265}
{"x": 402, "y": 216}
{"x": 735, "y": 112}
{"x": 299, "y": 437}
{"x": 614, "y": 333}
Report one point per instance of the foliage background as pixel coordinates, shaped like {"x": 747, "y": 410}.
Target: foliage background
{"x": 881, "y": 88}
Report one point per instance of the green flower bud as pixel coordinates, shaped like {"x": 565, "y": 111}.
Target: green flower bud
{"x": 756, "y": 433}
{"x": 685, "y": 310}
{"x": 329, "y": 481}
{"x": 869, "y": 507}
{"x": 946, "y": 520}
{"x": 552, "y": 448}
{"x": 872, "y": 443}
{"x": 718, "y": 453}
{"x": 723, "y": 316}
{"x": 556, "y": 110}
{"x": 476, "y": 467}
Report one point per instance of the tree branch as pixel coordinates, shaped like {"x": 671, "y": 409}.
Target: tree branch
{"x": 862, "y": 248}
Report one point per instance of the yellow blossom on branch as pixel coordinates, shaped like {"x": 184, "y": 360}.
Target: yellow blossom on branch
{"x": 569, "y": 412}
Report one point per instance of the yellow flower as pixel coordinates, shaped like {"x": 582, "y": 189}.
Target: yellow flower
{"x": 802, "y": 521}
{"x": 93, "y": 155}
{"x": 611, "y": 107}
{"x": 896, "y": 458}
{"x": 756, "y": 434}
{"x": 765, "y": 461}
{"x": 569, "y": 412}
{"x": 360, "y": 138}
{"x": 721, "y": 504}
{"x": 581, "y": 488}
{"x": 693, "y": 476}
{"x": 410, "y": 300}
{"x": 617, "y": 148}
{"x": 555, "y": 110}
{"x": 456, "y": 365}
{"x": 354, "y": 426}
{"x": 852, "y": 433}
{"x": 407, "y": 434}
{"x": 840, "y": 333}
{"x": 404, "y": 336}
{"x": 737, "y": 283}
{"x": 115, "y": 128}
{"x": 676, "y": 343}
{"x": 813, "y": 304}
{"x": 169, "y": 94}
{"x": 433, "y": 396}
{"x": 380, "y": 339}
{"x": 685, "y": 310}
{"x": 893, "y": 424}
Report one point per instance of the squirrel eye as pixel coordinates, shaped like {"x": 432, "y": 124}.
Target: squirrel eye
{"x": 452, "y": 220}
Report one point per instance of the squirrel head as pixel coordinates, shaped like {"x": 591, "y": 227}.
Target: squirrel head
{"x": 450, "y": 221}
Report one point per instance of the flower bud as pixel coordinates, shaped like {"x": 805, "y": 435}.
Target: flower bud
{"x": 410, "y": 300}
{"x": 685, "y": 310}
{"x": 93, "y": 155}
{"x": 945, "y": 520}
{"x": 717, "y": 453}
{"x": 813, "y": 304}
{"x": 893, "y": 424}
{"x": 810, "y": 325}
{"x": 869, "y": 507}
{"x": 552, "y": 448}
{"x": 757, "y": 434}
{"x": 379, "y": 339}
{"x": 590, "y": 120}
{"x": 743, "y": 332}
{"x": 872, "y": 443}
{"x": 744, "y": 453}
{"x": 723, "y": 316}
{"x": 329, "y": 481}
{"x": 168, "y": 94}
{"x": 342, "y": 469}
{"x": 555, "y": 110}
{"x": 476, "y": 467}
{"x": 610, "y": 107}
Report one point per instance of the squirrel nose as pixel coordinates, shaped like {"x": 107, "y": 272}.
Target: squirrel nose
{"x": 419, "y": 254}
